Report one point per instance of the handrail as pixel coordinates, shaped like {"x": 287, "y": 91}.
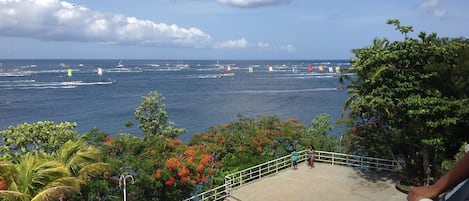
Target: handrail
{"x": 248, "y": 175}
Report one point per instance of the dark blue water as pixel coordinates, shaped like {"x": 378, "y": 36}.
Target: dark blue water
{"x": 198, "y": 93}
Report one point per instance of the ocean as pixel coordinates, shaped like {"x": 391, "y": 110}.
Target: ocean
{"x": 198, "y": 93}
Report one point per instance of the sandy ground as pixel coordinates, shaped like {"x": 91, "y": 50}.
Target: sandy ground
{"x": 324, "y": 182}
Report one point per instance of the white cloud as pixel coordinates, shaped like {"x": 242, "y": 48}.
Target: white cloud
{"x": 241, "y": 43}
{"x": 440, "y": 12}
{"x": 432, "y": 7}
{"x": 263, "y": 45}
{"x": 252, "y": 3}
{"x": 289, "y": 48}
{"x": 56, "y": 20}
{"x": 429, "y": 4}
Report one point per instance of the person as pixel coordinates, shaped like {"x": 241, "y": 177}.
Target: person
{"x": 459, "y": 173}
{"x": 294, "y": 158}
{"x": 311, "y": 156}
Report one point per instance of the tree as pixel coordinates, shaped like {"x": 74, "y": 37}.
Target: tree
{"x": 153, "y": 119}
{"x": 36, "y": 178}
{"x": 318, "y": 136}
{"x": 399, "y": 111}
{"x": 42, "y": 135}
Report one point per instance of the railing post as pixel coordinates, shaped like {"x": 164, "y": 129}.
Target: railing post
{"x": 333, "y": 159}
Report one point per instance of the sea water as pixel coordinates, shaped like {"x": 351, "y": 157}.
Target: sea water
{"x": 198, "y": 93}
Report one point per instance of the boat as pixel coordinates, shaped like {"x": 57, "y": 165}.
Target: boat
{"x": 120, "y": 65}
{"x": 222, "y": 75}
{"x": 100, "y": 71}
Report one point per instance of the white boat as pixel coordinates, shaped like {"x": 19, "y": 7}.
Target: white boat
{"x": 120, "y": 65}
{"x": 100, "y": 71}
{"x": 222, "y": 75}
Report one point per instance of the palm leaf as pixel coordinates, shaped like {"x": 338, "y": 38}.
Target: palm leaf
{"x": 54, "y": 193}
{"x": 93, "y": 170}
{"x": 13, "y": 195}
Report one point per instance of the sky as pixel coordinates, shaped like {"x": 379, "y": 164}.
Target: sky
{"x": 215, "y": 29}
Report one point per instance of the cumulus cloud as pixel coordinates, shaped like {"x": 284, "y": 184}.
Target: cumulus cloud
{"x": 263, "y": 45}
{"x": 289, "y": 48}
{"x": 252, "y": 3}
{"x": 241, "y": 43}
{"x": 56, "y": 20}
{"x": 431, "y": 6}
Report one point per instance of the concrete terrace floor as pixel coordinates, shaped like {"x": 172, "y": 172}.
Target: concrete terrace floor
{"x": 324, "y": 182}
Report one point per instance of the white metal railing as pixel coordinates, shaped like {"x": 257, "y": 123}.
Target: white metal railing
{"x": 245, "y": 176}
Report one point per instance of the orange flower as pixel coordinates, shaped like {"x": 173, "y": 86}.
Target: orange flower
{"x": 172, "y": 164}
{"x": 152, "y": 152}
{"x": 203, "y": 178}
{"x": 170, "y": 181}
{"x": 185, "y": 180}
{"x": 158, "y": 174}
{"x": 259, "y": 148}
{"x": 189, "y": 152}
{"x": 184, "y": 172}
{"x": 3, "y": 185}
{"x": 206, "y": 159}
{"x": 108, "y": 139}
{"x": 210, "y": 171}
{"x": 200, "y": 168}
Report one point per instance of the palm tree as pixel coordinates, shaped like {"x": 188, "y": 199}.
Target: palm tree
{"x": 82, "y": 160}
{"x": 36, "y": 178}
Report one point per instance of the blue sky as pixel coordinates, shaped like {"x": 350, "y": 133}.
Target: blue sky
{"x": 214, "y": 29}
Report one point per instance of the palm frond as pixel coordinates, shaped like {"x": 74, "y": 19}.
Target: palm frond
{"x": 93, "y": 170}
{"x": 13, "y": 195}
{"x": 54, "y": 193}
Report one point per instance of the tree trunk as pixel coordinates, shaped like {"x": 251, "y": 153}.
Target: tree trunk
{"x": 426, "y": 165}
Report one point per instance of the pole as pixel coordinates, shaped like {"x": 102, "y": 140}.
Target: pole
{"x": 122, "y": 182}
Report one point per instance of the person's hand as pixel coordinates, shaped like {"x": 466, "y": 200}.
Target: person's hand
{"x": 418, "y": 193}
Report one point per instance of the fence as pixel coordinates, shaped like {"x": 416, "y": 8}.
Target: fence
{"x": 242, "y": 177}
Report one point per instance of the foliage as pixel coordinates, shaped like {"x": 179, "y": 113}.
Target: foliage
{"x": 247, "y": 142}
{"x": 153, "y": 119}
{"x": 50, "y": 161}
{"x": 318, "y": 134}
{"x": 90, "y": 166}
{"x": 408, "y": 101}
{"x": 448, "y": 164}
{"x": 40, "y": 136}
{"x": 35, "y": 177}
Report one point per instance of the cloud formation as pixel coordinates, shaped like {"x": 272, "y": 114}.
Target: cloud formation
{"x": 252, "y": 3}
{"x": 241, "y": 43}
{"x": 431, "y": 6}
{"x": 54, "y": 20}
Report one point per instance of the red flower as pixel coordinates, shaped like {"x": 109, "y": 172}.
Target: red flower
{"x": 3, "y": 185}
{"x": 170, "y": 181}
{"x": 259, "y": 148}
{"x": 108, "y": 139}
{"x": 158, "y": 174}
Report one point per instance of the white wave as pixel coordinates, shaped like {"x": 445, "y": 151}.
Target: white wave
{"x": 124, "y": 70}
{"x": 17, "y": 81}
{"x": 51, "y": 85}
{"x": 277, "y": 91}
{"x": 15, "y": 74}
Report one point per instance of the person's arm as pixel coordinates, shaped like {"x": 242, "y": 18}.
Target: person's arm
{"x": 459, "y": 173}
